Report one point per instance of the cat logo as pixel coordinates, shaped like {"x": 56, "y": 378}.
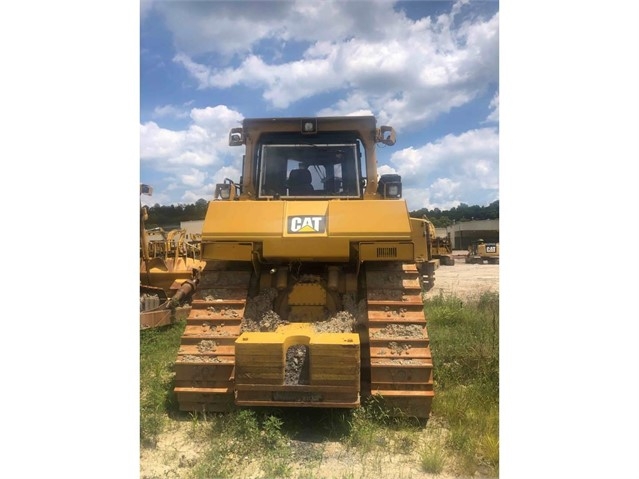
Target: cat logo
{"x": 306, "y": 224}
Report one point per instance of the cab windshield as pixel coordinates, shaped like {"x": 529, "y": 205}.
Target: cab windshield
{"x": 309, "y": 170}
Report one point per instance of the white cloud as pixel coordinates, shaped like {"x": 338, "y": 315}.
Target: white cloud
{"x": 355, "y": 104}
{"x": 231, "y": 172}
{"x": 410, "y": 71}
{"x": 176, "y": 148}
{"x": 200, "y": 144}
{"x": 206, "y": 186}
{"x": 158, "y": 143}
{"x": 282, "y": 84}
{"x": 194, "y": 178}
{"x": 493, "y": 116}
{"x": 227, "y": 28}
{"x": 235, "y": 28}
{"x": 385, "y": 170}
{"x": 218, "y": 118}
{"x": 443, "y": 189}
{"x": 443, "y": 193}
{"x": 443, "y": 173}
{"x": 169, "y": 111}
{"x": 181, "y": 155}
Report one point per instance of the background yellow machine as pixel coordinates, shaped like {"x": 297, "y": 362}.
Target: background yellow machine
{"x": 479, "y": 252}
{"x": 312, "y": 291}
{"x": 167, "y": 262}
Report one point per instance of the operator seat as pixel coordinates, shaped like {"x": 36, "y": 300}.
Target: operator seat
{"x": 299, "y": 182}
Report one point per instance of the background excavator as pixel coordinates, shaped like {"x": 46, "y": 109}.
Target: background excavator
{"x": 480, "y": 252}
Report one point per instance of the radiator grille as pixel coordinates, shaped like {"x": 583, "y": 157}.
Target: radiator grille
{"x": 387, "y": 252}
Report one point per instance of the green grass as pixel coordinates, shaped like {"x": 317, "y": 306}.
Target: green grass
{"x": 158, "y": 350}
{"x": 242, "y": 438}
{"x": 465, "y": 348}
{"x": 432, "y": 459}
{"x": 461, "y": 437}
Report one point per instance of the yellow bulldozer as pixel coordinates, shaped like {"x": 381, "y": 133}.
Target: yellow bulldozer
{"x": 442, "y": 250}
{"x": 312, "y": 291}
{"x": 167, "y": 261}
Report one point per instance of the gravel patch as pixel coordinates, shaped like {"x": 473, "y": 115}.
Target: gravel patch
{"x": 297, "y": 366}
{"x": 190, "y": 358}
{"x": 259, "y": 315}
{"x": 400, "y": 331}
{"x": 207, "y": 346}
{"x": 397, "y": 348}
{"x": 342, "y": 322}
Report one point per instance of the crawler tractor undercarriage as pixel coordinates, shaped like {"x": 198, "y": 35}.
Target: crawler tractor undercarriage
{"x": 223, "y": 363}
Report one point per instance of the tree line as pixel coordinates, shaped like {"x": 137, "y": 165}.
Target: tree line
{"x": 172, "y": 215}
{"x": 458, "y": 214}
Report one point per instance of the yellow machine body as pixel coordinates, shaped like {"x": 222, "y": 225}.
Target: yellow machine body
{"x": 311, "y": 221}
{"x": 328, "y": 231}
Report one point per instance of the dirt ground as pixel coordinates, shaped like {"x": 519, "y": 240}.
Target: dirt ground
{"x": 176, "y": 452}
{"x": 465, "y": 280}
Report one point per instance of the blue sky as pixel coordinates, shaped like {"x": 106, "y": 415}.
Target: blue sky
{"x": 430, "y": 69}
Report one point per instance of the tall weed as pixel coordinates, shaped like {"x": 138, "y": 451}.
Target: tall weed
{"x": 465, "y": 347}
{"x": 158, "y": 349}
